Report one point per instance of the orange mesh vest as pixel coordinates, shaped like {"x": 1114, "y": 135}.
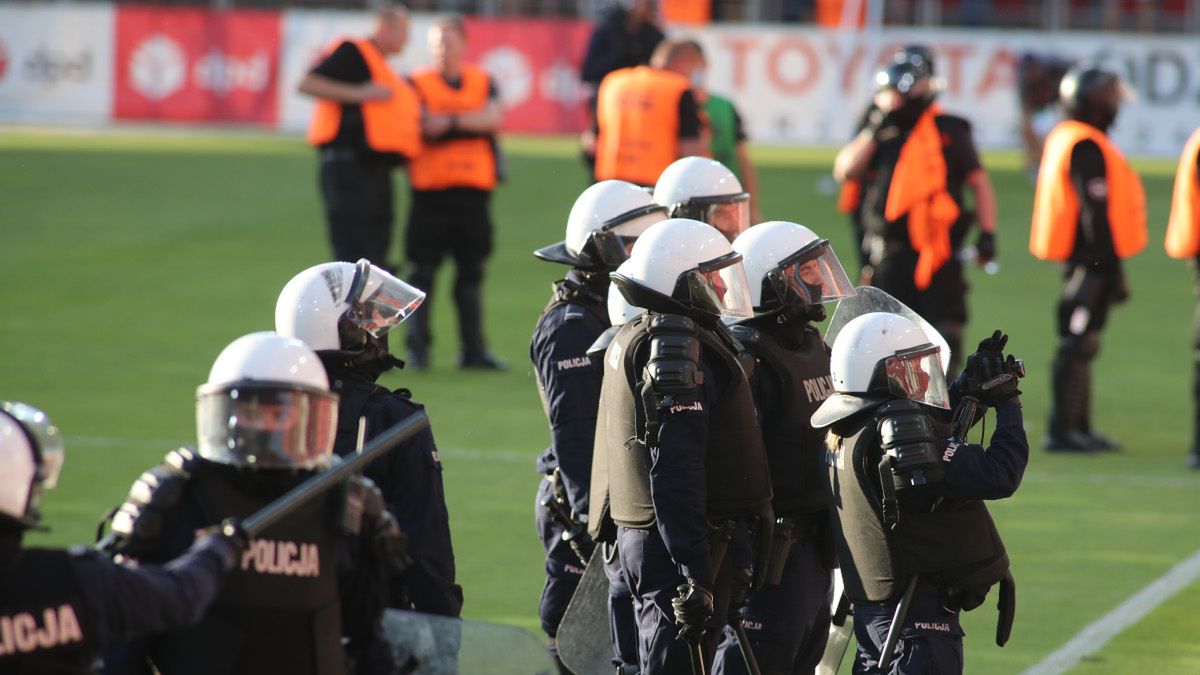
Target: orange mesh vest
{"x": 849, "y": 196}
{"x": 638, "y": 114}
{"x": 1183, "y": 231}
{"x": 455, "y": 162}
{"x": 918, "y": 190}
{"x": 694, "y": 12}
{"x": 393, "y": 125}
{"x": 1056, "y": 205}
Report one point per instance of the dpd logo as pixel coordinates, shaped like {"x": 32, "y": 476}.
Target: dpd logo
{"x": 158, "y": 67}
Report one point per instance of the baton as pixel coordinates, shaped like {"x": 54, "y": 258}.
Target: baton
{"x": 889, "y": 647}
{"x": 300, "y": 495}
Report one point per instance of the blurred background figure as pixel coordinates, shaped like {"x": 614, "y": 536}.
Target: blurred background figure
{"x": 1038, "y": 76}
{"x": 1089, "y": 213}
{"x": 366, "y": 122}
{"x": 647, "y": 116}
{"x": 452, "y": 182}
{"x": 624, "y": 37}
{"x": 1183, "y": 241}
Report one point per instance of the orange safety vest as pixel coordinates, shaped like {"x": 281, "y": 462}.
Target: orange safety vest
{"x": 455, "y": 162}
{"x": 1183, "y": 230}
{"x": 693, "y": 12}
{"x": 849, "y": 196}
{"x": 637, "y": 111}
{"x": 918, "y": 190}
{"x": 393, "y": 125}
{"x": 1056, "y": 205}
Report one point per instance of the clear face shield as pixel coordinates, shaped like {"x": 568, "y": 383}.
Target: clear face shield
{"x": 51, "y": 453}
{"x": 813, "y": 275}
{"x": 719, "y": 287}
{"x": 379, "y": 301}
{"x": 616, "y": 237}
{"x": 728, "y": 213}
{"x": 916, "y": 374}
{"x": 260, "y": 426}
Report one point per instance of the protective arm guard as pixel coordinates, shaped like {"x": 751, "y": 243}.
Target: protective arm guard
{"x": 909, "y": 439}
{"x": 140, "y": 523}
{"x": 672, "y": 377}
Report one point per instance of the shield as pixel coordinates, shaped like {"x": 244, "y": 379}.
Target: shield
{"x": 426, "y": 644}
{"x": 841, "y": 629}
{"x": 584, "y": 640}
{"x": 867, "y": 299}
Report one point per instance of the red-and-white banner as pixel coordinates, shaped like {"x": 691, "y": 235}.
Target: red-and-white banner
{"x": 196, "y": 65}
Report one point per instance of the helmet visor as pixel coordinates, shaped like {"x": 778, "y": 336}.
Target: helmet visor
{"x": 728, "y": 213}
{"x": 916, "y": 374}
{"x": 388, "y": 302}
{"x": 719, "y": 287}
{"x": 615, "y": 239}
{"x": 266, "y": 427}
{"x": 813, "y": 275}
{"x": 45, "y": 434}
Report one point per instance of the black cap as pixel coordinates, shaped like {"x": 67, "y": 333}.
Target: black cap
{"x": 1079, "y": 86}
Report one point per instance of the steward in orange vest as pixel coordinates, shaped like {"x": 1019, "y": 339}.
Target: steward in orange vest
{"x": 452, "y": 182}
{"x": 1183, "y": 241}
{"x": 1089, "y": 212}
{"x": 648, "y": 117}
{"x": 365, "y": 122}
{"x": 903, "y": 181}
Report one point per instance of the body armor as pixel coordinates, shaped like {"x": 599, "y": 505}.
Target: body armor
{"x": 44, "y": 626}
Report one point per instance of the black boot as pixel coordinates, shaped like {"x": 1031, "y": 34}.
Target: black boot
{"x": 474, "y": 354}
{"x": 1193, "y": 458}
{"x": 418, "y": 336}
{"x": 1070, "y": 379}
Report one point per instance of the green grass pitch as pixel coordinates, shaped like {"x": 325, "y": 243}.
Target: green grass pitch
{"x": 129, "y": 259}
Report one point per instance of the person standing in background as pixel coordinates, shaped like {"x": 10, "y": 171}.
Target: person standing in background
{"x": 1183, "y": 241}
{"x": 452, "y": 182}
{"x": 366, "y": 122}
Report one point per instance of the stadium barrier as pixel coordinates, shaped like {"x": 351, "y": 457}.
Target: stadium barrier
{"x": 95, "y": 64}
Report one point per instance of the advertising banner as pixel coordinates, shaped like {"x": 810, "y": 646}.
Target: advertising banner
{"x": 55, "y": 63}
{"x": 190, "y": 64}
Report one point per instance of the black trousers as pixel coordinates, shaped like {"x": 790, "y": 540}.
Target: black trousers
{"x": 1082, "y": 312}
{"x": 357, "y": 190}
{"x": 943, "y": 304}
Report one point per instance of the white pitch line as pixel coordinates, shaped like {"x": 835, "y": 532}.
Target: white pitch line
{"x": 1098, "y": 633}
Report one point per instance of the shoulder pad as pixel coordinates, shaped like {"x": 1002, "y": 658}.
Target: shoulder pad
{"x": 747, "y": 335}
{"x": 671, "y": 323}
{"x": 908, "y": 435}
{"x": 674, "y": 366}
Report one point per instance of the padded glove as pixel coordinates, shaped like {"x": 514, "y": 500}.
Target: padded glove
{"x": 693, "y": 607}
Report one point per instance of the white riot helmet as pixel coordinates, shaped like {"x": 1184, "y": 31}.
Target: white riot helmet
{"x": 684, "y": 266}
{"x": 331, "y": 306}
{"x": 706, "y": 190}
{"x": 620, "y": 312}
{"x": 266, "y": 405}
{"x": 604, "y": 222}
{"x": 31, "y": 457}
{"x": 788, "y": 265}
{"x": 879, "y": 356}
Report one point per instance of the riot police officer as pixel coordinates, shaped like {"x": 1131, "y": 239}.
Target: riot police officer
{"x": 677, "y": 443}
{"x": 344, "y": 311}
{"x": 915, "y": 541}
{"x": 791, "y": 273}
{"x": 59, "y": 608}
{"x": 603, "y": 224}
{"x": 705, "y": 190}
{"x": 265, "y": 423}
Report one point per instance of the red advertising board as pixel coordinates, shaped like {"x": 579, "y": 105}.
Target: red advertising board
{"x": 196, "y": 64}
{"x": 536, "y": 66}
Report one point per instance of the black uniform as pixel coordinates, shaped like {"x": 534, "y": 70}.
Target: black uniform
{"x": 280, "y": 609}
{"x": 886, "y": 244}
{"x": 1093, "y": 281}
{"x": 455, "y": 221}
{"x": 672, "y": 455}
{"x": 410, "y": 477}
{"x": 355, "y": 181}
{"x": 569, "y": 386}
{"x": 886, "y": 532}
{"x": 788, "y": 623}
{"x": 59, "y": 609}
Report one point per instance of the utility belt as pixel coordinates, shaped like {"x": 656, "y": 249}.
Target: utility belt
{"x": 808, "y": 527}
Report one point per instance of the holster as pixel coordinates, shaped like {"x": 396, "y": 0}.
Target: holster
{"x": 1007, "y": 607}
{"x": 781, "y": 546}
{"x": 764, "y": 545}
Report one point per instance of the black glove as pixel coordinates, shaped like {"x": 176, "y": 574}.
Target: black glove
{"x": 990, "y": 376}
{"x": 985, "y": 247}
{"x": 228, "y": 540}
{"x": 882, "y": 125}
{"x": 693, "y": 608}
{"x": 382, "y": 530}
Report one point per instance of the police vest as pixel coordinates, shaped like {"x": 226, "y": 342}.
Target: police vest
{"x": 735, "y": 464}
{"x": 44, "y": 625}
{"x": 637, "y": 111}
{"x": 795, "y": 450}
{"x": 1183, "y": 231}
{"x": 954, "y": 545}
{"x": 278, "y": 610}
{"x": 1056, "y": 205}
{"x": 393, "y": 125}
{"x": 455, "y": 162}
